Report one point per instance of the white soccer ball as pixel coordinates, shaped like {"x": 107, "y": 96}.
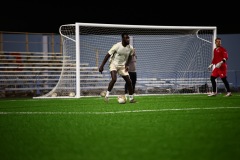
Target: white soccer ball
{"x": 121, "y": 99}
{"x": 103, "y": 93}
{"x": 71, "y": 94}
{"x": 54, "y": 94}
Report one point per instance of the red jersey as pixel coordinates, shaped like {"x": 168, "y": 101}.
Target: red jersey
{"x": 219, "y": 54}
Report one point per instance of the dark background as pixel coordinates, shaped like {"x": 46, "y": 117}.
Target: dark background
{"x": 47, "y": 16}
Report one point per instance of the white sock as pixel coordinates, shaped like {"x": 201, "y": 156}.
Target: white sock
{"x": 126, "y": 96}
{"x": 130, "y": 97}
{"x": 107, "y": 94}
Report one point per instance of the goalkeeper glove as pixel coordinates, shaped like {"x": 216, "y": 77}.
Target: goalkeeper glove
{"x": 210, "y": 66}
{"x": 218, "y": 65}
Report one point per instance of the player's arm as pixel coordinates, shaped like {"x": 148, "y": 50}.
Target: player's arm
{"x": 129, "y": 59}
{"x": 104, "y": 62}
{"x": 128, "y": 62}
{"x": 218, "y": 65}
{"x": 210, "y": 66}
{"x": 225, "y": 57}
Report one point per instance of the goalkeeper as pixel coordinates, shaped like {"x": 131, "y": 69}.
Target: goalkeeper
{"x": 219, "y": 60}
{"x": 120, "y": 56}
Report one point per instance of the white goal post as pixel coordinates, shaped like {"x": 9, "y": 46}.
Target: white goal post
{"x": 170, "y": 59}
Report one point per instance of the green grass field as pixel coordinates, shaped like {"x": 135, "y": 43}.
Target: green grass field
{"x": 165, "y": 127}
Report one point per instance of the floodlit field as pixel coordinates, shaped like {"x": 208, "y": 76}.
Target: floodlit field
{"x": 166, "y": 127}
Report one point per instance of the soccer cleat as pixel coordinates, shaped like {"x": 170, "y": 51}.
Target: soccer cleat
{"x": 228, "y": 94}
{"x": 132, "y": 101}
{"x": 106, "y": 99}
{"x": 212, "y": 94}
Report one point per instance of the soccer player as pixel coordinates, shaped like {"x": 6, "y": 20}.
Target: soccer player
{"x": 120, "y": 56}
{"x": 219, "y": 60}
{"x": 132, "y": 73}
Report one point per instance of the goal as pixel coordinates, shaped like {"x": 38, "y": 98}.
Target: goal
{"x": 170, "y": 59}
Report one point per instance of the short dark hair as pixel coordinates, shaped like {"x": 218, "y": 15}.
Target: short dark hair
{"x": 218, "y": 38}
{"x": 124, "y": 34}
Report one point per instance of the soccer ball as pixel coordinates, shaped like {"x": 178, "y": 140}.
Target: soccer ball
{"x": 103, "y": 93}
{"x": 71, "y": 94}
{"x": 54, "y": 94}
{"x": 121, "y": 99}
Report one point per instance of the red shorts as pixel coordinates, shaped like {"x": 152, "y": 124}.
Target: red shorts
{"x": 220, "y": 72}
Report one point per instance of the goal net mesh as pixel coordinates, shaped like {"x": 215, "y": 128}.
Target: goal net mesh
{"x": 170, "y": 60}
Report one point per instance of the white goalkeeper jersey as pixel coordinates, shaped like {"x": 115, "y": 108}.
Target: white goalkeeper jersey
{"x": 119, "y": 54}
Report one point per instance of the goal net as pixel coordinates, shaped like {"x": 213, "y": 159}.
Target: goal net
{"x": 170, "y": 59}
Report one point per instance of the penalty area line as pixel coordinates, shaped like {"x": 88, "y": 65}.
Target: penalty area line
{"x": 114, "y": 112}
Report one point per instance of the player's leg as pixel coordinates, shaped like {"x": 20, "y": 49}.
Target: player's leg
{"x": 130, "y": 88}
{"x": 214, "y": 86}
{"x": 225, "y": 81}
{"x": 111, "y": 83}
{"x": 129, "y": 84}
{"x": 214, "y": 75}
{"x": 223, "y": 76}
{"x": 122, "y": 71}
{"x": 113, "y": 73}
{"x": 126, "y": 89}
{"x": 113, "y": 80}
{"x": 133, "y": 77}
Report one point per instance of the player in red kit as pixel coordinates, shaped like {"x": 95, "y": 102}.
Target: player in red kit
{"x": 219, "y": 60}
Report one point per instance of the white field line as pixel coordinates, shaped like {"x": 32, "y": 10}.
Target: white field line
{"x": 116, "y": 112}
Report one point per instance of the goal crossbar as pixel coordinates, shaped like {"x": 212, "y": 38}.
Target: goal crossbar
{"x": 164, "y": 52}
